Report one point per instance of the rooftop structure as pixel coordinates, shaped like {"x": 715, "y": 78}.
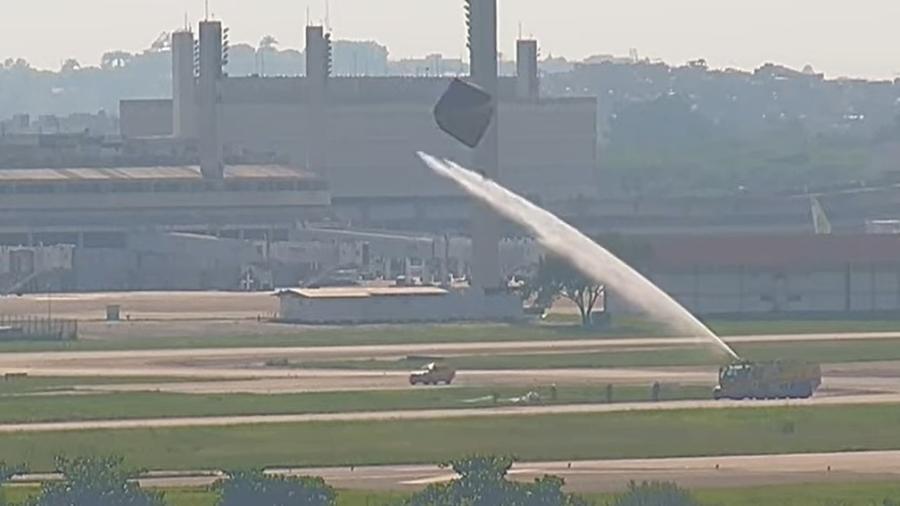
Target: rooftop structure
{"x": 61, "y": 205}
{"x": 361, "y": 133}
{"x": 163, "y": 173}
{"x": 363, "y": 292}
{"x": 361, "y": 305}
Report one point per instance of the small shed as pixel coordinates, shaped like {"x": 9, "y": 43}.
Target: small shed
{"x": 408, "y": 304}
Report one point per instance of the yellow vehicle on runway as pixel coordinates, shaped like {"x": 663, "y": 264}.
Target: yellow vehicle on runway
{"x": 779, "y": 379}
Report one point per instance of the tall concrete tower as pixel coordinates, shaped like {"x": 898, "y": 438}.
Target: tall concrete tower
{"x": 184, "y": 86}
{"x": 527, "y": 83}
{"x": 210, "y": 63}
{"x": 482, "y": 20}
{"x": 318, "y": 71}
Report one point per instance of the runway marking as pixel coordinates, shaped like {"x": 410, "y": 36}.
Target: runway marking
{"x": 431, "y": 414}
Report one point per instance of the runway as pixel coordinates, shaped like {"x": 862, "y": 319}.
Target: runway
{"x": 112, "y": 363}
{"x": 434, "y": 414}
{"x": 594, "y": 475}
{"x": 243, "y": 370}
{"x": 614, "y": 475}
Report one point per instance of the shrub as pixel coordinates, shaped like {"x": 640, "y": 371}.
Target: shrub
{"x": 255, "y": 488}
{"x": 95, "y": 481}
{"x": 482, "y": 482}
{"x": 654, "y": 494}
{"x": 6, "y": 473}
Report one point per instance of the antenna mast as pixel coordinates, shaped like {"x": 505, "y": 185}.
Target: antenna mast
{"x": 327, "y": 16}
{"x": 206, "y": 3}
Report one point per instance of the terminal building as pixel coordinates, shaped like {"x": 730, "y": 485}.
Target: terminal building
{"x": 361, "y": 133}
{"x": 217, "y": 175}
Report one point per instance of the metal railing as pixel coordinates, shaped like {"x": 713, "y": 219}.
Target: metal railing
{"x": 35, "y": 328}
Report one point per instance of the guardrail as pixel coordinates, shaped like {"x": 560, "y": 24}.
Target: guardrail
{"x": 33, "y": 328}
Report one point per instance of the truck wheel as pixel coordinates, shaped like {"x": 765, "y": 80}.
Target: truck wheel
{"x": 807, "y": 391}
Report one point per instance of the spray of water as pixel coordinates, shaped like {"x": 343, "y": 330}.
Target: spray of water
{"x": 587, "y": 256}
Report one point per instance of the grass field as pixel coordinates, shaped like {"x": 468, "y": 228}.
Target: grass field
{"x": 812, "y": 494}
{"x": 203, "y": 497}
{"x": 47, "y": 408}
{"x": 545, "y": 437}
{"x": 358, "y": 335}
{"x": 49, "y": 385}
{"x": 821, "y": 352}
{"x": 818, "y": 494}
{"x": 409, "y": 334}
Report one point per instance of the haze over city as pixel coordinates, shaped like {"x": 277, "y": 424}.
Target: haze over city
{"x": 839, "y": 38}
{"x": 350, "y": 252}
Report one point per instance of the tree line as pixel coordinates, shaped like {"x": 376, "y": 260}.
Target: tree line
{"x": 481, "y": 481}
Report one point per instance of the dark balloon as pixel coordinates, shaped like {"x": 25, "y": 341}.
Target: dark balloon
{"x": 464, "y": 112}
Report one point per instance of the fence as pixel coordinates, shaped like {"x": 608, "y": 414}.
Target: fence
{"x": 33, "y": 328}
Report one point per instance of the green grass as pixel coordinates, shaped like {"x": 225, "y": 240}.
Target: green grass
{"x": 190, "y": 497}
{"x": 588, "y": 436}
{"x": 762, "y": 327}
{"x": 417, "y": 334}
{"x": 350, "y": 335}
{"x": 49, "y": 385}
{"x": 20, "y": 495}
{"x": 157, "y": 405}
{"x": 815, "y": 494}
{"x": 805, "y": 494}
{"x": 825, "y": 351}
{"x": 676, "y": 356}
{"x": 203, "y": 496}
{"x": 808, "y": 494}
{"x": 813, "y": 351}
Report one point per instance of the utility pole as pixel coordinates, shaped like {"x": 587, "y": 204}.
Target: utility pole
{"x": 49, "y": 303}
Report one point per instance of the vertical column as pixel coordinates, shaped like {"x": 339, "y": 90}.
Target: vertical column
{"x": 184, "y": 102}
{"x": 482, "y": 19}
{"x": 848, "y": 288}
{"x": 210, "y": 76}
{"x": 527, "y": 83}
{"x": 318, "y": 71}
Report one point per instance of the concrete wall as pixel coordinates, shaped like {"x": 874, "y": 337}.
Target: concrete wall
{"x": 164, "y": 262}
{"x": 856, "y": 288}
{"x": 547, "y": 148}
{"x": 146, "y": 118}
{"x": 455, "y": 306}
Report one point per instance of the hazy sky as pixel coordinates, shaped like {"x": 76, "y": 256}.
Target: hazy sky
{"x": 840, "y": 37}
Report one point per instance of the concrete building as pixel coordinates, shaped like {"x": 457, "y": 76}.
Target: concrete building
{"x": 363, "y": 135}
{"x": 170, "y": 261}
{"x": 99, "y": 206}
{"x": 431, "y": 258}
{"x": 208, "y": 99}
{"x": 24, "y": 268}
{"x": 482, "y": 20}
{"x": 774, "y": 275}
{"x": 184, "y": 92}
{"x": 362, "y": 305}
